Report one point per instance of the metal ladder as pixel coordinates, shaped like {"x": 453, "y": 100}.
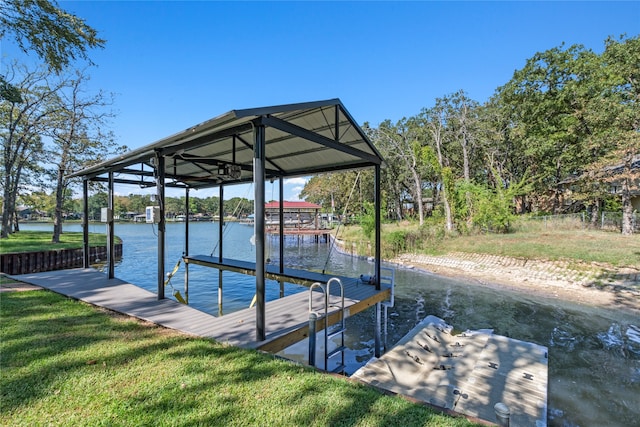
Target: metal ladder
{"x": 336, "y": 330}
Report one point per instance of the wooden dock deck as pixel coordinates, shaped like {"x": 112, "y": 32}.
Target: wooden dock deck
{"x": 286, "y": 318}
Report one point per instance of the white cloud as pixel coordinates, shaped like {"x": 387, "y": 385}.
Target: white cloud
{"x": 295, "y": 193}
{"x": 296, "y": 181}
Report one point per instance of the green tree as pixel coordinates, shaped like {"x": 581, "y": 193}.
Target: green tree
{"x": 122, "y": 205}
{"x": 403, "y": 146}
{"x": 503, "y": 149}
{"x": 343, "y": 193}
{"x": 55, "y": 35}
{"x": 139, "y": 202}
{"x": 462, "y": 131}
{"x": 615, "y": 113}
{"x": 21, "y": 126}
{"x": 463, "y": 126}
{"x": 79, "y": 138}
{"x": 172, "y": 205}
{"x": 434, "y": 122}
{"x": 238, "y": 207}
{"x": 39, "y": 200}
{"x": 196, "y": 205}
{"x": 576, "y": 114}
{"x": 96, "y": 202}
{"x": 547, "y": 104}
{"x": 393, "y": 176}
{"x": 489, "y": 207}
{"x": 211, "y": 205}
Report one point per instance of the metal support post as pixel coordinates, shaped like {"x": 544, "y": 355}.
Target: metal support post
{"x": 258, "y": 181}
{"x": 281, "y": 221}
{"x": 159, "y": 159}
{"x": 220, "y": 223}
{"x": 220, "y": 242}
{"x": 85, "y": 224}
{"x": 377, "y": 206}
{"x": 111, "y": 257}
{"x": 186, "y": 244}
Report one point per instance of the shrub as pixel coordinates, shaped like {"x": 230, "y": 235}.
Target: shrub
{"x": 395, "y": 242}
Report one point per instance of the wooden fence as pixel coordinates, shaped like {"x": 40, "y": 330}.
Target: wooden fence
{"x": 34, "y": 262}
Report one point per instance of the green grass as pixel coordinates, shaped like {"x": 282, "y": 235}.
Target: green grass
{"x": 67, "y": 363}
{"x": 577, "y": 244}
{"x": 580, "y": 245}
{"x": 32, "y": 241}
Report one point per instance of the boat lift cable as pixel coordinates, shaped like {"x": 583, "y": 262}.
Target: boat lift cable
{"x": 344, "y": 213}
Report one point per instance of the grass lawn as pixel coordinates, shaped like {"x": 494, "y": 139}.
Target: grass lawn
{"x": 581, "y": 245}
{"x": 68, "y": 363}
{"x": 552, "y": 244}
{"x": 32, "y": 241}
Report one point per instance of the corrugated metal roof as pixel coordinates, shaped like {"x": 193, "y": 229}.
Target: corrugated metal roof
{"x": 301, "y": 139}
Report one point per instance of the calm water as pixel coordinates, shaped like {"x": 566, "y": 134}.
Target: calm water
{"x": 594, "y": 354}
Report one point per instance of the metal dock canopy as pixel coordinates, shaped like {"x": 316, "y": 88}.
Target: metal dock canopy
{"x": 241, "y": 146}
{"x": 300, "y": 139}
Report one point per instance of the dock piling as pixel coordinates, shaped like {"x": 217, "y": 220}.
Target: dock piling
{"x": 313, "y": 317}
{"x": 503, "y": 414}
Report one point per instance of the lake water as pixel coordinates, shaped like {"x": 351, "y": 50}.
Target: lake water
{"x": 594, "y": 354}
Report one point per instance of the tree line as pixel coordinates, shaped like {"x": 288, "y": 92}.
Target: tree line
{"x": 132, "y": 204}
{"x": 562, "y": 135}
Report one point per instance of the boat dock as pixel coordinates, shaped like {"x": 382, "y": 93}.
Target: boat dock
{"x": 468, "y": 373}
{"x": 316, "y": 233}
{"x": 287, "y": 317}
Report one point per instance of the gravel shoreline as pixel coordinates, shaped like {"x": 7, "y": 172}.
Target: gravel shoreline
{"x": 591, "y": 284}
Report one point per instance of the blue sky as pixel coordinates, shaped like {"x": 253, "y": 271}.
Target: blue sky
{"x": 174, "y": 64}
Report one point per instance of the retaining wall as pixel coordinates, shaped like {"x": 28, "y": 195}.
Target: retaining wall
{"x": 60, "y": 259}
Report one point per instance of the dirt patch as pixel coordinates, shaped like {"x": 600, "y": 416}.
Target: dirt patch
{"x": 590, "y": 284}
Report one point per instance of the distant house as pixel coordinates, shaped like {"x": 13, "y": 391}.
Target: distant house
{"x": 140, "y": 218}
{"x": 607, "y": 176}
{"x": 129, "y": 216}
{"x": 26, "y": 213}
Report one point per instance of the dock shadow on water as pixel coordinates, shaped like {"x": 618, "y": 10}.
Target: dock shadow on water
{"x": 594, "y": 354}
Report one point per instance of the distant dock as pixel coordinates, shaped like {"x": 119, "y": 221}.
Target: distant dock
{"x": 316, "y": 233}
